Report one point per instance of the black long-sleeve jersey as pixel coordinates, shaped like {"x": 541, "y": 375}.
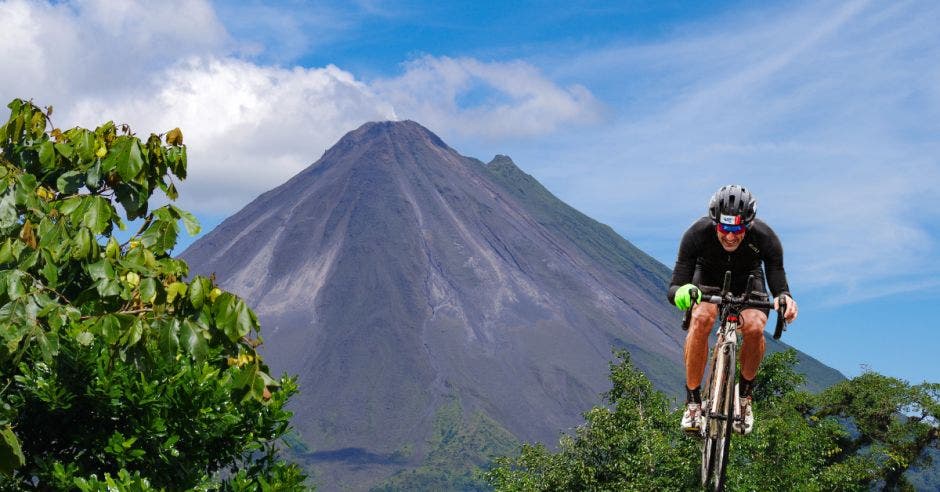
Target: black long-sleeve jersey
{"x": 703, "y": 261}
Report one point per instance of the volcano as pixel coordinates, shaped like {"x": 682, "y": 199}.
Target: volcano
{"x": 437, "y": 309}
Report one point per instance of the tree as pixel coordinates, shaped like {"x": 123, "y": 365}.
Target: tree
{"x": 115, "y": 369}
{"x": 864, "y": 432}
{"x": 634, "y": 444}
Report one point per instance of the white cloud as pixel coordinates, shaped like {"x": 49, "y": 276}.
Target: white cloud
{"x": 248, "y": 127}
{"x": 55, "y": 52}
{"x": 506, "y": 100}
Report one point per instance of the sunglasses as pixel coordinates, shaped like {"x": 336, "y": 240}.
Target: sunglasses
{"x": 731, "y": 229}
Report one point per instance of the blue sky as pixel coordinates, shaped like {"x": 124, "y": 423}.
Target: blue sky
{"x": 632, "y": 112}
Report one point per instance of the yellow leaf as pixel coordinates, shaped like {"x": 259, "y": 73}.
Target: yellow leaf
{"x": 173, "y": 290}
{"x": 174, "y": 137}
{"x": 43, "y": 193}
{"x": 214, "y": 294}
{"x": 28, "y": 235}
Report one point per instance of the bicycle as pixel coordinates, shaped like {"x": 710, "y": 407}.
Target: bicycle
{"x": 720, "y": 400}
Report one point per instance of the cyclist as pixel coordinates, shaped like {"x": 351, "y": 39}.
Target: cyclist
{"x": 729, "y": 238}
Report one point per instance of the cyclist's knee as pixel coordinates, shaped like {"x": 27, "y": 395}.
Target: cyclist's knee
{"x": 753, "y": 322}
{"x": 703, "y": 319}
{"x": 704, "y": 314}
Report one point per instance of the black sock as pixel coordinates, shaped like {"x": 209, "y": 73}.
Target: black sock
{"x": 745, "y": 387}
{"x": 693, "y": 396}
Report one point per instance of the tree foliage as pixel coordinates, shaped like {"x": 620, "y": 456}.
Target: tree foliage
{"x": 116, "y": 371}
{"x": 862, "y": 433}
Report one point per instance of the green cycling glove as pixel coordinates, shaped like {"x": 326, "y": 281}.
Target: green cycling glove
{"x": 683, "y": 297}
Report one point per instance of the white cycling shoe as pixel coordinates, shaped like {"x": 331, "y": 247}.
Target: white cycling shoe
{"x": 743, "y": 414}
{"x": 692, "y": 418}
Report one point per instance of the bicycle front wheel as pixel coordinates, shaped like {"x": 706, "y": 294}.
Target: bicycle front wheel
{"x": 719, "y": 410}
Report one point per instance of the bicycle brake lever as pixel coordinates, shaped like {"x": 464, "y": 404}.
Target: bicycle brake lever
{"x": 781, "y": 319}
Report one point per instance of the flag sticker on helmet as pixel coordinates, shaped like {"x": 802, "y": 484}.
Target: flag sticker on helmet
{"x": 730, "y": 219}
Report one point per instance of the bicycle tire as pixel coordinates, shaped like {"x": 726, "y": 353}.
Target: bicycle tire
{"x": 709, "y": 427}
{"x": 724, "y": 444}
{"x": 719, "y": 417}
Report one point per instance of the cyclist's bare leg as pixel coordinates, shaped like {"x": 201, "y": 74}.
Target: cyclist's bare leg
{"x": 753, "y": 346}
{"x": 696, "y": 343}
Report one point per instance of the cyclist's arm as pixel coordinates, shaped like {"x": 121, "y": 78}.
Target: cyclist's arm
{"x": 682, "y": 273}
{"x": 773, "y": 266}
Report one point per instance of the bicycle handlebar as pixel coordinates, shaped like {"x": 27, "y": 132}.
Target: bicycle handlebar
{"x": 742, "y": 302}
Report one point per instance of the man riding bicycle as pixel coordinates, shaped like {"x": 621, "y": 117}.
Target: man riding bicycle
{"x": 729, "y": 238}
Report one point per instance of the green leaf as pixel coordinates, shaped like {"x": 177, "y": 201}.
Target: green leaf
{"x": 48, "y": 345}
{"x": 93, "y": 178}
{"x": 168, "y": 336}
{"x": 47, "y": 155}
{"x": 15, "y": 288}
{"x": 100, "y": 270}
{"x": 170, "y": 190}
{"x": 49, "y": 271}
{"x": 70, "y": 182}
{"x": 25, "y": 190}
{"x": 134, "y": 333}
{"x": 244, "y": 376}
{"x": 52, "y": 237}
{"x": 29, "y": 261}
{"x": 233, "y": 316}
{"x": 6, "y": 252}
{"x": 98, "y": 215}
{"x": 18, "y": 318}
{"x": 193, "y": 341}
{"x": 81, "y": 243}
{"x": 65, "y": 149}
{"x": 189, "y": 220}
{"x": 109, "y": 287}
{"x": 133, "y": 197}
{"x": 37, "y": 124}
{"x": 148, "y": 290}
{"x": 176, "y": 160}
{"x": 11, "y": 455}
{"x": 71, "y": 204}
{"x": 113, "y": 249}
{"x": 198, "y": 289}
{"x": 109, "y": 326}
{"x": 124, "y": 155}
{"x": 8, "y": 215}
{"x": 84, "y": 143}
{"x": 160, "y": 236}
